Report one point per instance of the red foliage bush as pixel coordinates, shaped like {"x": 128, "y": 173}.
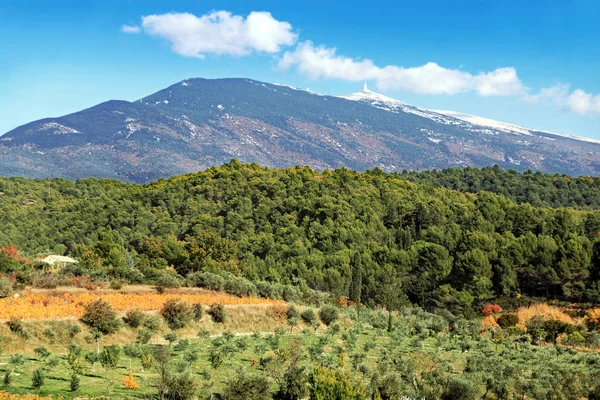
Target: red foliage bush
{"x": 490, "y": 309}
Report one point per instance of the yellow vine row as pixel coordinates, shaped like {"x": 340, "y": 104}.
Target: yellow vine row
{"x": 44, "y": 306}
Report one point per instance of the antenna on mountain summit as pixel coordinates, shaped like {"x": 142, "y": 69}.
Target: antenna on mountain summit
{"x": 365, "y": 89}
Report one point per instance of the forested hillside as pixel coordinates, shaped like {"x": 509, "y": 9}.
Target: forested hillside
{"x": 536, "y": 188}
{"x": 370, "y": 236}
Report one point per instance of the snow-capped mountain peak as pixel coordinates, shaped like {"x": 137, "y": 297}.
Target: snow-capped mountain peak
{"x": 367, "y": 95}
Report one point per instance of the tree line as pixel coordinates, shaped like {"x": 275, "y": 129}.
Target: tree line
{"x": 372, "y": 237}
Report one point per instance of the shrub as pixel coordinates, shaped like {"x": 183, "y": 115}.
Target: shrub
{"x": 239, "y": 286}
{"x": 52, "y": 362}
{"x": 293, "y": 313}
{"x": 74, "y": 330}
{"x": 151, "y": 323}
{"x": 328, "y": 314}
{"x": 75, "y": 381}
{"x": 293, "y": 383}
{"x": 459, "y": 389}
{"x": 134, "y": 317}
{"x": 207, "y": 280}
{"x": 130, "y": 383}
{"x": 203, "y": 333}
{"x": 177, "y": 313}
{"x": 266, "y": 290}
{"x": 5, "y": 288}
{"x": 37, "y": 379}
{"x": 182, "y": 387}
{"x": 143, "y": 336}
{"x": 291, "y": 293}
{"x": 16, "y": 325}
{"x": 182, "y": 345}
{"x": 308, "y": 316}
{"x": 170, "y": 337}
{"x": 336, "y": 385}
{"x": 7, "y": 378}
{"x": 41, "y": 352}
{"x": 217, "y": 312}
{"x": 110, "y": 356}
{"x": 100, "y": 315}
{"x": 167, "y": 280}
{"x": 50, "y": 334}
{"x": 17, "y": 360}
{"x": 248, "y": 387}
{"x": 116, "y": 285}
{"x": 45, "y": 281}
{"x": 507, "y": 320}
{"x": 198, "y": 310}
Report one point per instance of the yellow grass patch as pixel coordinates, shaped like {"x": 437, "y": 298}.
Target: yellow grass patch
{"x": 545, "y": 311}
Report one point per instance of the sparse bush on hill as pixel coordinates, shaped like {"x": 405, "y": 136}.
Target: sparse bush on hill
{"x": 38, "y": 378}
{"x": 328, "y": 314}
{"x": 217, "y": 312}
{"x": 198, "y": 309}
{"x": 151, "y": 323}
{"x": 100, "y": 315}
{"x": 308, "y": 316}
{"x": 134, "y": 317}
{"x": 16, "y": 325}
{"x": 177, "y": 313}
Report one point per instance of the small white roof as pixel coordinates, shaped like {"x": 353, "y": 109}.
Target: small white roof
{"x": 59, "y": 259}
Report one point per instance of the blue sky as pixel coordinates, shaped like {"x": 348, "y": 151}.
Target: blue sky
{"x": 531, "y": 63}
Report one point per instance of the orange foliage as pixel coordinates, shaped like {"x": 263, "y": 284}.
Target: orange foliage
{"x": 10, "y": 251}
{"x": 592, "y": 318}
{"x": 545, "y": 311}
{"x": 280, "y": 311}
{"x": 490, "y": 309}
{"x": 488, "y": 322}
{"x": 344, "y": 302}
{"x": 13, "y": 252}
{"x": 130, "y": 383}
{"x": 44, "y": 306}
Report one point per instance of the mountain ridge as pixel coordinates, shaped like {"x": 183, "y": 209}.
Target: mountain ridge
{"x": 198, "y": 123}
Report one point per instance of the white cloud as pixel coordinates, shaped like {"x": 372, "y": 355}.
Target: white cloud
{"x": 578, "y": 101}
{"x": 431, "y": 78}
{"x": 581, "y": 102}
{"x": 552, "y": 94}
{"x": 220, "y": 32}
{"x": 130, "y": 29}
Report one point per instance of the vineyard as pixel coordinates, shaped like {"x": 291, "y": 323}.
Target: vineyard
{"x": 40, "y": 306}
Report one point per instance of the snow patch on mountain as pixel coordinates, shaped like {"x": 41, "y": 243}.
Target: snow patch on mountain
{"x": 469, "y": 122}
{"x": 58, "y": 129}
{"x": 503, "y": 126}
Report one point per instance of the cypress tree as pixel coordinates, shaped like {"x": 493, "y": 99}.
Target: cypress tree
{"x": 356, "y": 282}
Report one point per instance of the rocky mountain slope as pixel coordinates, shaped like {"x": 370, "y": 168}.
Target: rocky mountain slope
{"x": 198, "y": 123}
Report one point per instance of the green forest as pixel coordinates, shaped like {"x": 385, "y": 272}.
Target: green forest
{"x": 375, "y": 238}
{"x": 535, "y": 188}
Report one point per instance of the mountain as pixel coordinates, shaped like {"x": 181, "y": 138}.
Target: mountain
{"x": 199, "y": 123}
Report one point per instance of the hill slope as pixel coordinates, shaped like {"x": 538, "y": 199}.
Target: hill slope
{"x": 199, "y": 123}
